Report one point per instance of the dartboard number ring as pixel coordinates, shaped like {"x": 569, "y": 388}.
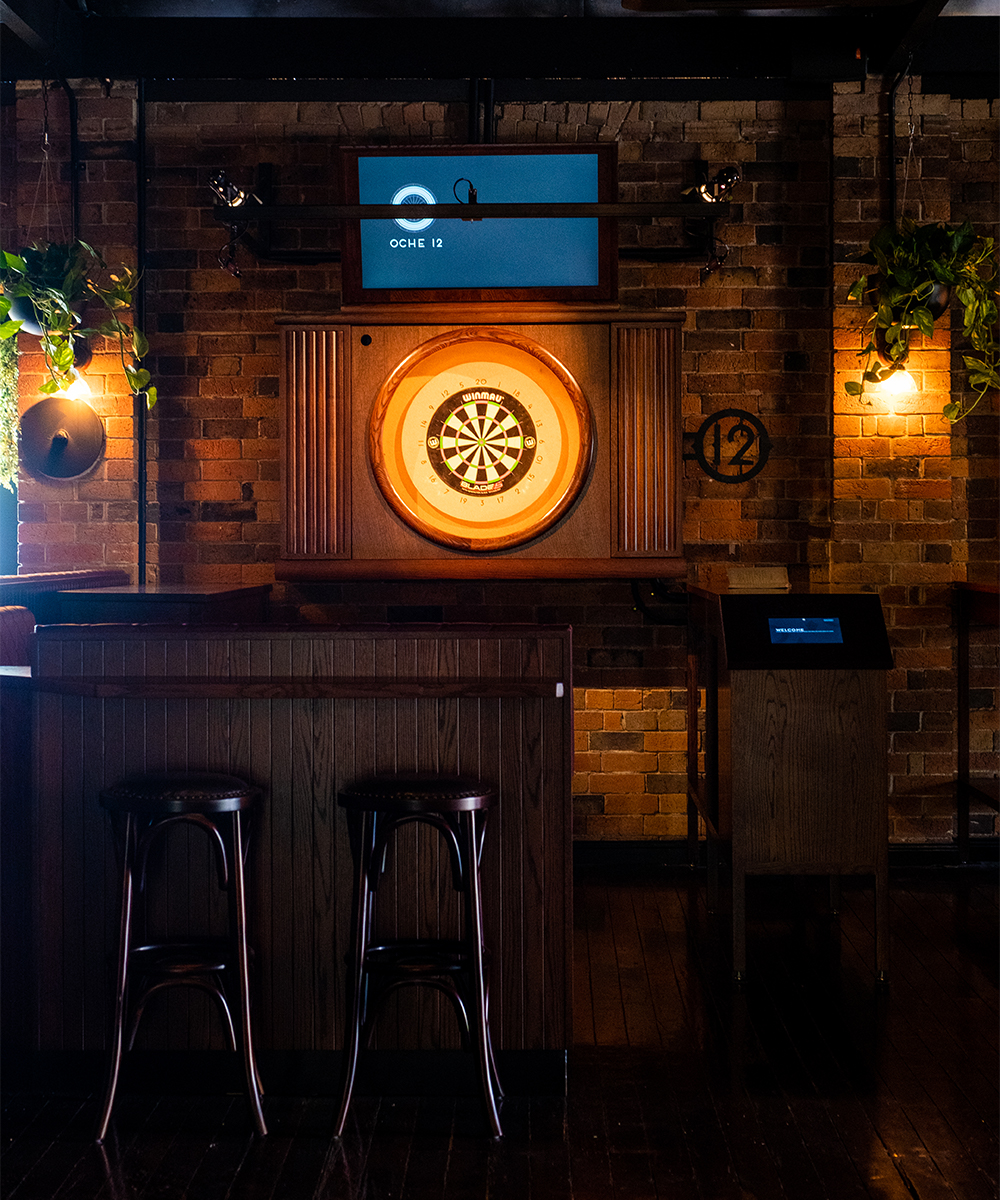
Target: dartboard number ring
{"x": 480, "y": 439}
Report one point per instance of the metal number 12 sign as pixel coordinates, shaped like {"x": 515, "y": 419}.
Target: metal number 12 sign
{"x": 732, "y": 446}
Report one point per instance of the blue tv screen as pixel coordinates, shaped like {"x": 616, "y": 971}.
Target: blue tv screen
{"x": 419, "y": 257}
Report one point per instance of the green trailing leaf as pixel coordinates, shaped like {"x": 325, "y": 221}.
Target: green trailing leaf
{"x": 7, "y": 327}
{"x": 923, "y": 318}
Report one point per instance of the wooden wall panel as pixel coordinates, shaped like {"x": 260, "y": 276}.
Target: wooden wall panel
{"x": 646, "y": 383}
{"x": 299, "y": 749}
{"x": 316, "y": 467}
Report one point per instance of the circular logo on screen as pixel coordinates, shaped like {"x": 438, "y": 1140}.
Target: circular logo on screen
{"x": 414, "y": 193}
{"x": 481, "y": 441}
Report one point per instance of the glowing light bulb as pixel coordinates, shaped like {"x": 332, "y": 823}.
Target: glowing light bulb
{"x": 898, "y": 383}
{"x": 79, "y": 389}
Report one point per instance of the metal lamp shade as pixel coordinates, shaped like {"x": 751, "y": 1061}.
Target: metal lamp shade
{"x": 61, "y": 438}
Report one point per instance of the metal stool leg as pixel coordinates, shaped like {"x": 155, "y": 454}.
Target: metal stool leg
{"x": 237, "y": 903}
{"x": 121, "y": 986}
{"x": 474, "y": 933}
{"x": 355, "y": 1000}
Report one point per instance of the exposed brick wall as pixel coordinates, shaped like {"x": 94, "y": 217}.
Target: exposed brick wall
{"x": 910, "y": 491}
{"x": 91, "y": 521}
{"x": 630, "y": 769}
{"x": 853, "y": 496}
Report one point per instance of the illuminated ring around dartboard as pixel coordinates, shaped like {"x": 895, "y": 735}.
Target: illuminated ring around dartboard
{"x": 414, "y": 193}
{"x": 480, "y": 439}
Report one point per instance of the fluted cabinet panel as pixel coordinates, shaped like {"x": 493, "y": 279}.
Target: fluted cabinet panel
{"x": 316, "y": 483}
{"x": 647, "y": 383}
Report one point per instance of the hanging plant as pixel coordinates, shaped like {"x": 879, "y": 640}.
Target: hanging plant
{"x": 8, "y": 404}
{"x": 47, "y": 284}
{"x": 919, "y": 268}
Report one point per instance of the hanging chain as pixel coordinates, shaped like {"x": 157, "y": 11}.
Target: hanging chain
{"x": 910, "y": 156}
{"x": 45, "y": 117}
{"x": 45, "y": 187}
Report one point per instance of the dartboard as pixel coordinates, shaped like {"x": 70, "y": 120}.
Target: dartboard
{"x": 480, "y": 439}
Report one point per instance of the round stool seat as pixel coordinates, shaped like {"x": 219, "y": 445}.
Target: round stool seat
{"x": 417, "y": 956}
{"x": 416, "y": 794}
{"x": 183, "y": 958}
{"x": 179, "y": 792}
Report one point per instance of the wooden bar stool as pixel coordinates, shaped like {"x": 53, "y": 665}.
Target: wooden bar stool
{"x": 458, "y": 809}
{"x": 141, "y": 809}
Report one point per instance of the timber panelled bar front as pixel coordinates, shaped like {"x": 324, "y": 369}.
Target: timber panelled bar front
{"x": 301, "y": 712}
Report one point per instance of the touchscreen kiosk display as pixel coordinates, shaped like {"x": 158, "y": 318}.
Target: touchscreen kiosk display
{"x": 804, "y": 631}
{"x": 499, "y": 253}
{"x": 815, "y": 630}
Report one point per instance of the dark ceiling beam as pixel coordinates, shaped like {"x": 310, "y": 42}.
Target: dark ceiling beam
{"x": 693, "y": 48}
{"x": 24, "y": 29}
{"x": 731, "y": 56}
{"x": 506, "y": 91}
{"x": 38, "y": 35}
{"x": 909, "y": 33}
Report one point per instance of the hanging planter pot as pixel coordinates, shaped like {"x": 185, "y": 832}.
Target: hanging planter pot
{"x": 939, "y": 300}
{"x": 23, "y": 310}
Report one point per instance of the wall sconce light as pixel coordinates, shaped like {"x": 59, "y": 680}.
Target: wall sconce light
{"x": 234, "y": 197}
{"x": 61, "y": 436}
{"x": 716, "y": 189}
{"x": 899, "y": 383}
{"x": 229, "y": 193}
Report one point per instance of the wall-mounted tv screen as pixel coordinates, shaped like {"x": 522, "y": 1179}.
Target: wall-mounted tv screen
{"x": 420, "y": 258}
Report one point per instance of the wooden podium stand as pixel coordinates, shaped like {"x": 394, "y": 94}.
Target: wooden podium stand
{"x": 792, "y": 776}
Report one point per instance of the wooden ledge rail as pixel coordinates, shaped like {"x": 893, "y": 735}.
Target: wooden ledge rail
{"x": 468, "y": 212}
{"x": 297, "y": 687}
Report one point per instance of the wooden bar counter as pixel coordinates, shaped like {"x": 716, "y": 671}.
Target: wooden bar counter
{"x": 299, "y": 711}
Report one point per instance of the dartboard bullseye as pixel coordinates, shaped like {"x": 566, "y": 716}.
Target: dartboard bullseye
{"x": 480, "y": 439}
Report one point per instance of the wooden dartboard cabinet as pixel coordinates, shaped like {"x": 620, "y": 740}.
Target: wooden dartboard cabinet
{"x": 352, "y": 381}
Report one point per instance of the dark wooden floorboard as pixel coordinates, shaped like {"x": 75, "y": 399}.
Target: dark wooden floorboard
{"x": 807, "y": 1082}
